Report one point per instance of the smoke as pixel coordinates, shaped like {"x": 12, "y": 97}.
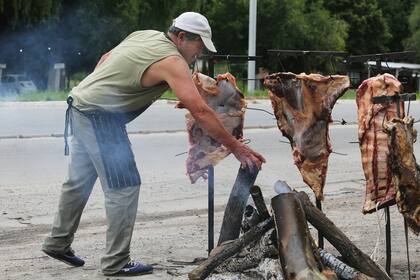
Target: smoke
{"x": 77, "y": 39}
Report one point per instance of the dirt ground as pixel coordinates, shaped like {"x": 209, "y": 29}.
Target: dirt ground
{"x": 167, "y": 238}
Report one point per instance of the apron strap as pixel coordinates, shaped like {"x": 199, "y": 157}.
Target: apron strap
{"x": 67, "y": 124}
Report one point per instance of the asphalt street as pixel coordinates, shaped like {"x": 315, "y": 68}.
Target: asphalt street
{"x": 29, "y": 119}
{"x": 35, "y": 163}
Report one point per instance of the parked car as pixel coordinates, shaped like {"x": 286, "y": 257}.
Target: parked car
{"x": 17, "y": 83}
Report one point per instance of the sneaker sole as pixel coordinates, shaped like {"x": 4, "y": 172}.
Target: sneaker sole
{"x": 58, "y": 258}
{"x": 129, "y": 274}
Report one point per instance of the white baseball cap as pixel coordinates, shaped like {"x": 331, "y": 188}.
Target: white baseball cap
{"x": 197, "y": 24}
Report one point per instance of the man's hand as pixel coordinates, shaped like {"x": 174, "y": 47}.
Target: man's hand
{"x": 248, "y": 157}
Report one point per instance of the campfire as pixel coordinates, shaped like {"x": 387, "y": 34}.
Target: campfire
{"x": 281, "y": 244}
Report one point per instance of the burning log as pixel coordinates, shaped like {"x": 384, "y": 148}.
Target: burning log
{"x": 252, "y": 216}
{"x": 228, "y": 249}
{"x": 341, "y": 269}
{"x": 235, "y": 207}
{"x": 259, "y": 202}
{"x": 351, "y": 254}
{"x": 250, "y": 256}
{"x": 294, "y": 243}
{"x": 250, "y": 219}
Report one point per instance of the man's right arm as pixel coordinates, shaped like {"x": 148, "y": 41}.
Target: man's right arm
{"x": 174, "y": 70}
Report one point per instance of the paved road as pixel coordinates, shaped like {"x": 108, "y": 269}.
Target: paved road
{"x": 47, "y": 118}
{"x": 36, "y": 165}
{"x": 30, "y": 119}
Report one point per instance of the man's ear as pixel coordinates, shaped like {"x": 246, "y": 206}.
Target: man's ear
{"x": 181, "y": 35}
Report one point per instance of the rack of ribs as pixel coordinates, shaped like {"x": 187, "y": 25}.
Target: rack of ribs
{"x": 373, "y": 141}
{"x": 406, "y": 172}
{"x": 302, "y": 105}
{"x": 225, "y": 98}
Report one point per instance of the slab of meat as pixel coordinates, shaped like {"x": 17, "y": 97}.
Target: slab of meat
{"x": 373, "y": 141}
{"x": 224, "y": 97}
{"x": 302, "y": 105}
{"x": 406, "y": 172}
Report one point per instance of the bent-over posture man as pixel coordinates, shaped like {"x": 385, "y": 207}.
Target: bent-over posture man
{"x": 126, "y": 81}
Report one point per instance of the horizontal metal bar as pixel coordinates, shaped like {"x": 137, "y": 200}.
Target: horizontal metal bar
{"x": 232, "y": 57}
{"x": 394, "y": 98}
{"x": 301, "y": 52}
{"x": 380, "y": 56}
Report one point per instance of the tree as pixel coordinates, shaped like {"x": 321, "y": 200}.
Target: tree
{"x": 42, "y": 32}
{"x": 299, "y": 24}
{"x": 24, "y": 27}
{"x": 368, "y": 31}
{"x": 17, "y": 15}
{"x": 396, "y": 14}
{"x": 413, "y": 42}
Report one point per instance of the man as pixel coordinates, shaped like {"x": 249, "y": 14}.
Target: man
{"x": 126, "y": 81}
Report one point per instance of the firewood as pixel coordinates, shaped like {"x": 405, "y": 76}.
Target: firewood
{"x": 251, "y": 218}
{"x": 259, "y": 202}
{"x": 252, "y": 255}
{"x": 351, "y": 254}
{"x": 228, "y": 249}
{"x": 343, "y": 270}
{"x": 294, "y": 244}
{"x": 235, "y": 207}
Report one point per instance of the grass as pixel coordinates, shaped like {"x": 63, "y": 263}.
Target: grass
{"x": 258, "y": 94}
{"x": 62, "y": 95}
{"x": 349, "y": 95}
{"x": 36, "y": 96}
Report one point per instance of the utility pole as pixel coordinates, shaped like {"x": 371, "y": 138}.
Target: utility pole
{"x": 252, "y": 34}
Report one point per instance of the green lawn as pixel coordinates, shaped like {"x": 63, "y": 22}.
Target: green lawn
{"x": 350, "y": 94}
{"x": 36, "y": 96}
{"x": 62, "y": 95}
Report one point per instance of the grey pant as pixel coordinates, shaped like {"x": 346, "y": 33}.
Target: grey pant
{"x": 86, "y": 163}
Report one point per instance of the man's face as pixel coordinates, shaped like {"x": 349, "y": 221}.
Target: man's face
{"x": 190, "y": 49}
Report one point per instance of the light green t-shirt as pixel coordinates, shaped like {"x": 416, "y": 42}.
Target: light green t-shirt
{"x": 115, "y": 85}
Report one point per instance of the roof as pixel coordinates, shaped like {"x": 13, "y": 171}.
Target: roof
{"x": 396, "y": 65}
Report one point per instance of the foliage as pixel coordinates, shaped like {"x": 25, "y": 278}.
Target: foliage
{"x": 17, "y": 15}
{"x": 396, "y": 13}
{"x": 413, "y": 42}
{"x": 368, "y": 31}
{"x": 34, "y": 34}
{"x": 298, "y": 24}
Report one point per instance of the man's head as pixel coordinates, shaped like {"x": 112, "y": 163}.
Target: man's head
{"x": 191, "y": 33}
